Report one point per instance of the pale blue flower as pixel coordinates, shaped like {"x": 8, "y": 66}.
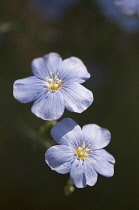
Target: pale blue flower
{"x": 55, "y": 86}
{"x": 113, "y": 12}
{"x": 80, "y": 152}
{"x": 128, "y": 7}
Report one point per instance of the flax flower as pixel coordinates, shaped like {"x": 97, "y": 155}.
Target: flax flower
{"x": 55, "y": 86}
{"x": 80, "y": 152}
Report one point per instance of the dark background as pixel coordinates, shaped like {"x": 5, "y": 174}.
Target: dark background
{"x": 112, "y": 57}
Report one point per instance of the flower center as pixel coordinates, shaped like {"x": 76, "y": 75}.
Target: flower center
{"x": 82, "y": 151}
{"x": 54, "y": 83}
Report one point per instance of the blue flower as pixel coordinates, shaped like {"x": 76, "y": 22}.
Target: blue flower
{"x": 55, "y": 86}
{"x": 128, "y": 7}
{"x": 113, "y": 12}
{"x": 80, "y": 152}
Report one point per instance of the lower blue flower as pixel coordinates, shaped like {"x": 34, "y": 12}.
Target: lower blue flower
{"x": 80, "y": 152}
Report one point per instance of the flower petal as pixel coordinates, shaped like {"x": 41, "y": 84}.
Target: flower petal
{"x": 59, "y": 158}
{"x": 77, "y": 173}
{"x": 102, "y": 162}
{"x": 42, "y": 67}
{"x": 90, "y": 174}
{"x": 67, "y": 132}
{"x": 82, "y": 173}
{"x": 49, "y": 106}
{"x": 28, "y": 89}
{"x": 77, "y": 98}
{"x": 73, "y": 69}
{"x": 104, "y": 154}
{"x": 96, "y": 136}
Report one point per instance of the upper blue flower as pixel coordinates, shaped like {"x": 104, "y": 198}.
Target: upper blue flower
{"x": 119, "y": 13}
{"x": 80, "y": 152}
{"x": 55, "y": 86}
{"x": 128, "y": 7}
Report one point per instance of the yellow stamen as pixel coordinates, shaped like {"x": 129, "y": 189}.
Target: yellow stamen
{"x": 54, "y": 83}
{"x": 82, "y": 151}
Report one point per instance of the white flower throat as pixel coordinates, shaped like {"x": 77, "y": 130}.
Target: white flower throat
{"x": 54, "y": 83}
{"x": 83, "y": 151}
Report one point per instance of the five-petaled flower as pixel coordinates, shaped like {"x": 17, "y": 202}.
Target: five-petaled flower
{"x": 55, "y": 86}
{"x": 80, "y": 152}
